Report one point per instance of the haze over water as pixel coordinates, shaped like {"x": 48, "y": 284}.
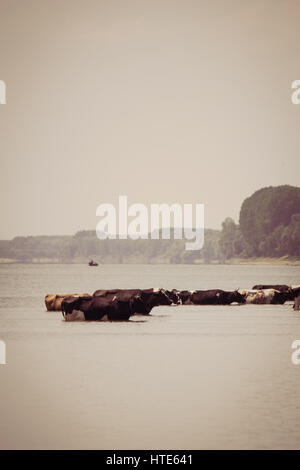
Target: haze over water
{"x": 186, "y": 377}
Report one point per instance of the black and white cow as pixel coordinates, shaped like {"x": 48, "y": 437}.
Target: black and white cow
{"x": 174, "y": 296}
{"x": 266, "y": 296}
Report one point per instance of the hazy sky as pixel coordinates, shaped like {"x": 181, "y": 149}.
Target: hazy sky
{"x": 163, "y": 101}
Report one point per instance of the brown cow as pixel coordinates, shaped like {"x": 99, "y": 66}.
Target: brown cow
{"x": 53, "y": 301}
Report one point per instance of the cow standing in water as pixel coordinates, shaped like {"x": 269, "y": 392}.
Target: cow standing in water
{"x": 216, "y": 297}
{"x": 149, "y": 297}
{"x": 266, "y": 296}
{"x": 98, "y": 308}
{"x": 114, "y": 304}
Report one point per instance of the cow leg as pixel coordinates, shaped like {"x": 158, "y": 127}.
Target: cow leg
{"x": 76, "y": 315}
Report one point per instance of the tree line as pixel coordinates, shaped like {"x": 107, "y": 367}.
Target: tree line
{"x": 269, "y": 226}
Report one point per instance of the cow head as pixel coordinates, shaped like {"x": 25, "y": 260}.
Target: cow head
{"x": 74, "y": 302}
{"x": 155, "y": 297}
{"x": 69, "y": 304}
{"x": 237, "y": 297}
{"x": 173, "y": 295}
{"x": 184, "y": 296}
{"x": 162, "y": 298}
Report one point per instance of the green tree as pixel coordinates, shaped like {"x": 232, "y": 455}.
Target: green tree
{"x": 265, "y": 211}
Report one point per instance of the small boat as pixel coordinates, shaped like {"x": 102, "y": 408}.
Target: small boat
{"x": 93, "y": 263}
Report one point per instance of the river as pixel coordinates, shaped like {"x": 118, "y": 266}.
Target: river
{"x": 186, "y": 377}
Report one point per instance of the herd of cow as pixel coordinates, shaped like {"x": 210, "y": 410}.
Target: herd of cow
{"x": 121, "y": 304}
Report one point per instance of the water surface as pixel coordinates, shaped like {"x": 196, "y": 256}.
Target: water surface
{"x": 187, "y": 377}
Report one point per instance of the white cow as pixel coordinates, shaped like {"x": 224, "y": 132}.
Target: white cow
{"x": 262, "y": 296}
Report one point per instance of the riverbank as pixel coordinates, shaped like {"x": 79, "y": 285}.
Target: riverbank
{"x": 284, "y": 260}
{"x": 263, "y": 261}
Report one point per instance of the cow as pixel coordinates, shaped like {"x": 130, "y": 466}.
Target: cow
{"x": 98, "y": 308}
{"x": 216, "y": 297}
{"x": 266, "y": 296}
{"x": 280, "y": 287}
{"x": 273, "y": 296}
{"x": 148, "y": 298}
{"x": 53, "y": 301}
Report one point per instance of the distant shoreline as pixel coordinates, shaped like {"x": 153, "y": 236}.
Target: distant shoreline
{"x": 262, "y": 261}
{"x": 284, "y": 261}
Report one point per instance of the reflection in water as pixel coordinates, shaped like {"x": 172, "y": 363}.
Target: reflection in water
{"x": 184, "y": 377}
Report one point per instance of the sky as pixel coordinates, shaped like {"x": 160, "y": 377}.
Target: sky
{"x": 162, "y": 101}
